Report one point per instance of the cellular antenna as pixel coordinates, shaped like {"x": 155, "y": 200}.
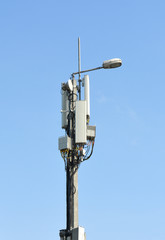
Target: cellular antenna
{"x": 79, "y": 68}
{"x": 77, "y": 145}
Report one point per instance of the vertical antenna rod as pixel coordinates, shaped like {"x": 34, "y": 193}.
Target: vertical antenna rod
{"x": 79, "y": 68}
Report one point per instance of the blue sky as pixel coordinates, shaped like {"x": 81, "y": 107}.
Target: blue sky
{"x": 121, "y": 188}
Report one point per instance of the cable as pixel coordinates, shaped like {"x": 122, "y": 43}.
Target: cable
{"x": 90, "y": 153}
{"x": 70, "y": 97}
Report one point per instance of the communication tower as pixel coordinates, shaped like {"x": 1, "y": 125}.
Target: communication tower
{"x": 78, "y": 143}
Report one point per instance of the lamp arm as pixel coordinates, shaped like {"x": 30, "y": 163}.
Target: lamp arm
{"x": 89, "y": 70}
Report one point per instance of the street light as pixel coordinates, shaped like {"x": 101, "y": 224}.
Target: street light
{"x": 78, "y": 143}
{"x": 111, "y": 63}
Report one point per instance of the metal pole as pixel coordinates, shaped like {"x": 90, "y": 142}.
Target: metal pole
{"x": 68, "y": 177}
{"x": 79, "y": 68}
{"x": 74, "y": 184}
{"x": 89, "y": 70}
{"x": 72, "y": 167}
{"x": 68, "y": 198}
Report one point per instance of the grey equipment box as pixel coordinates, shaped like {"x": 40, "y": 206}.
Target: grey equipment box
{"x": 78, "y": 233}
{"x": 91, "y": 132}
{"x": 64, "y": 143}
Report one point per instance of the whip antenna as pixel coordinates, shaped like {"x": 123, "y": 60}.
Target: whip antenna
{"x": 79, "y": 68}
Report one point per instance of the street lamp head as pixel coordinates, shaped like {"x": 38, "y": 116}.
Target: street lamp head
{"x": 112, "y": 63}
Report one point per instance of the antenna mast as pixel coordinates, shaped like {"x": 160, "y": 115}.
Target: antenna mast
{"x": 79, "y": 68}
{"x": 76, "y": 146}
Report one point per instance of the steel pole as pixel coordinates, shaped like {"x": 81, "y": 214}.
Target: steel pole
{"x": 72, "y": 167}
{"x": 79, "y": 68}
{"x": 74, "y": 178}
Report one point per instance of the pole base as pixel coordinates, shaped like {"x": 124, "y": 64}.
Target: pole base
{"x": 74, "y": 234}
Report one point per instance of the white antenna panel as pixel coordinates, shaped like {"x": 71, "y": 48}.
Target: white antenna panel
{"x": 80, "y": 118}
{"x": 65, "y": 108}
{"x": 87, "y": 95}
